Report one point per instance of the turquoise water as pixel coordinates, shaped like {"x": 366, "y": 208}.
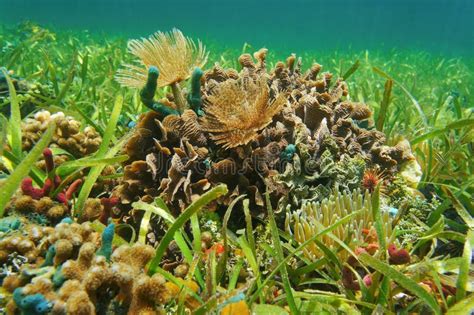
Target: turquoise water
{"x": 437, "y": 26}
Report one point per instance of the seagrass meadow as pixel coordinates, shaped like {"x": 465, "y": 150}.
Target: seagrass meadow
{"x": 165, "y": 174}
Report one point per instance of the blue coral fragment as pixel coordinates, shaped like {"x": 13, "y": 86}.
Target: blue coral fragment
{"x": 107, "y": 238}
{"x": 34, "y": 304}
{"x": 48, "y": 260}
{"x": 287, "y": 154}
{"x": 58, "y": 278}
{"x": 67, "y": 220}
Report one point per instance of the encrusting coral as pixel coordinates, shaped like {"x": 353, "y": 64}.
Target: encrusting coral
{"x": 81, "y": 273}
{"x": 68, "y": 135}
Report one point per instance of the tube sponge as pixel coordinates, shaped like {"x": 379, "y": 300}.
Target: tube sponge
{"x": 194, "y": 98}
{"x": 148, "y": 91}
{"x": 49, "y": 259}
{"x": 147, "y": 94}
{"x": 35, "y": 304}
{"x": 107, "y": 237}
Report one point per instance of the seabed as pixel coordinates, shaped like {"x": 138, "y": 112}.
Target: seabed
{"x": 162, "y": 176}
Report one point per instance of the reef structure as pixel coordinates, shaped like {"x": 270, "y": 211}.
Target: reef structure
{"x": 293, "y": 134}
{"x": 72, "y": 269}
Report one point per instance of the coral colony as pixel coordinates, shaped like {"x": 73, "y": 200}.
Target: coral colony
{"x": 280, "y": 138}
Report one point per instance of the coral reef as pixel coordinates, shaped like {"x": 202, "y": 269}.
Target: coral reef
{"x": 314, "y": 217}
{"x": 293, "y": 133}
{"x": 82, "y": 274}
{"x": 68, "y": 135}
{"x": 295, "y": 152}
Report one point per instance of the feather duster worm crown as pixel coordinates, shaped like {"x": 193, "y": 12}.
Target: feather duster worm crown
{"x": 172, "y": 53}
{"x": 314, "y": 217}
{"x": 236, "y": 110}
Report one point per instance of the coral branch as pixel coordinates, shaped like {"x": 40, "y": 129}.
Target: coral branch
{"x": 29, "y": 190}
{"x": 48, "y": 158}
{"x": 73, "y": 188}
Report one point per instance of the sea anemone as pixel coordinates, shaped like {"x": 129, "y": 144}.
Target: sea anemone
{"x": 314, "y": 217}
{"x": 371, "y": 178}
{"x": 236, "y": 110}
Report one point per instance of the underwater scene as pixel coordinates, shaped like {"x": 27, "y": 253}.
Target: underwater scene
{"x": 236, "y": 157}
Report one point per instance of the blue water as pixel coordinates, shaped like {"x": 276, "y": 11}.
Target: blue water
{"x": 438, "y": 26}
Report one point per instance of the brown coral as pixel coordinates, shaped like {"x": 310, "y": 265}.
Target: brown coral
{"x": 18, "y": 244}
{"x": 68, "y": 135}
{"x": 250, "y": 119}
{"x": 147, "y": 293}
{"x": 186, "y": 127}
